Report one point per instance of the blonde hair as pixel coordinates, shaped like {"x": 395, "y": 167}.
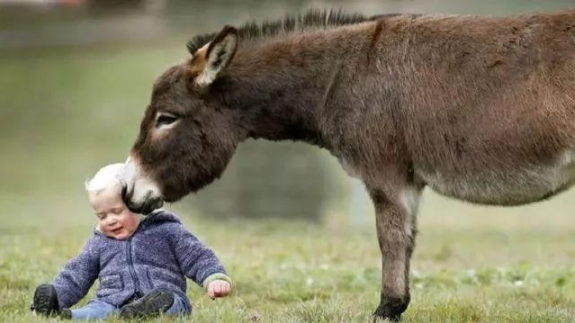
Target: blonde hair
{"x": 106, "y": 177}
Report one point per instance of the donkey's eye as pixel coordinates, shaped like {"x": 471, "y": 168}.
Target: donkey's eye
{"x": 165, "y": 120}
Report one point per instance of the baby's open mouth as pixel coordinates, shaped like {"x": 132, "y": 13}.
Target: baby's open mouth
{"x": 117, "y": 231}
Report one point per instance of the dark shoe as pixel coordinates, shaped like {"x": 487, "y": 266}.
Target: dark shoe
{"x": 153, "y": 304}
{"x": 45, "y": 301}
{"x": 66, "y": 314}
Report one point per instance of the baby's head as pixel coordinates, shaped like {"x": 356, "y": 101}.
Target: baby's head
{"x": 115, "y": 220}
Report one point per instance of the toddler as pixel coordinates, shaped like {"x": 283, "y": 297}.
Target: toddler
{"x": 141, "y": 263}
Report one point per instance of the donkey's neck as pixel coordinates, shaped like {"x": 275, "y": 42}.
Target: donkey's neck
{"x": 280, "y": 89}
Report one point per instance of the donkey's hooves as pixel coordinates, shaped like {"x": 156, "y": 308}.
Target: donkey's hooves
{"x": 390, "y": 308}
{"x": 380, "y": 316}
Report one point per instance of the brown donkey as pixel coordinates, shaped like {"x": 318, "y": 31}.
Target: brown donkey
{"x": 477, "y": 108}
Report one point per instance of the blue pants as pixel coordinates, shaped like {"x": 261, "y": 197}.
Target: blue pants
{"x": 99, "y": 310}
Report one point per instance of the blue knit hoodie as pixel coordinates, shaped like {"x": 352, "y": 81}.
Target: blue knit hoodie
{"x": 159, "y": 255}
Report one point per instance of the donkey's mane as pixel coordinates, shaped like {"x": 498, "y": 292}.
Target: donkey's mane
{"x": 319, "y": 19}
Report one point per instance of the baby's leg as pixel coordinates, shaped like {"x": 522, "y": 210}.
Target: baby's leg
{"x": 152, "y": 304}
{"x": 178, "y": 307}
{"x": 94, "y": 310}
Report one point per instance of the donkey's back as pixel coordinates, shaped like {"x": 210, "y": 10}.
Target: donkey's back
{"x": 487, "y": 104}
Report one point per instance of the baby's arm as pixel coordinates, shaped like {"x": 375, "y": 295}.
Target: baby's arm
{"x": 197, "y": 261}
{"x": 75, "y": 280}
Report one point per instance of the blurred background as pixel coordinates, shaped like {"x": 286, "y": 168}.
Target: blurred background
{"x": 76, "y": 76}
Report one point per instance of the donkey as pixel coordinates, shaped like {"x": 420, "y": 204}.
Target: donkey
{"x": 481, "y": 109}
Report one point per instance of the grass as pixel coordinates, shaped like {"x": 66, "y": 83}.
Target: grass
{"x": 464, "y": 270}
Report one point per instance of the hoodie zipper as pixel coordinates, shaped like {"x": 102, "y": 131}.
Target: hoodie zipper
{"x": 131, "y": 267}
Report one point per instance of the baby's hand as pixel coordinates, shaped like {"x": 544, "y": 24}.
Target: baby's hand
{"x": 218, "y": 288}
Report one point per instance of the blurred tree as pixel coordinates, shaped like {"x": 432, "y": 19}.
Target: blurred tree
{"x": 266, "y": 180}
{"x": 104, "y": 7}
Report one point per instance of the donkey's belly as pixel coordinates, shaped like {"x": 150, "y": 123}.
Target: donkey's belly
{"x": 515, "y": 187}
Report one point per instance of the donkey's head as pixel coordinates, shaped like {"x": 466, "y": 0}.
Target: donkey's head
{"x": 186, "y": 138}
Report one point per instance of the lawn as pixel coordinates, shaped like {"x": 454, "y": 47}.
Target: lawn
{"x": 485, "y": 265}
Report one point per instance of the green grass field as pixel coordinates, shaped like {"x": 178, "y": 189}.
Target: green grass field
{"x": 65, "y": 114}
{"x": 471, "y": 264}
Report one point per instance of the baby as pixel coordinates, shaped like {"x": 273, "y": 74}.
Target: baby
{"x": 141, "y": 263}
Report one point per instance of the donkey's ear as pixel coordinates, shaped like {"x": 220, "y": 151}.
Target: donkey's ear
{"x": 216, "y": 56}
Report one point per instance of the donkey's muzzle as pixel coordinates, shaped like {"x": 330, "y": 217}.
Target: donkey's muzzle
{"x": 148, "y": 205}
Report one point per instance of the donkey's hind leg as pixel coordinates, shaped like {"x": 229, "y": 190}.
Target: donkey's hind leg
{"x": 396, "y": 209}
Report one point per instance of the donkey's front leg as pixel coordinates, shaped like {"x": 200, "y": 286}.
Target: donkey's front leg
{"x": 396, "y": 210}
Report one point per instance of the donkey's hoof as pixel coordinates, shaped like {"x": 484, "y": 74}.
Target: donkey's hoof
{"x": 390, "y": 308}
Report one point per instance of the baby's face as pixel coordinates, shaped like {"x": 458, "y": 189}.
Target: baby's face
{"x": 114, "y": 218}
